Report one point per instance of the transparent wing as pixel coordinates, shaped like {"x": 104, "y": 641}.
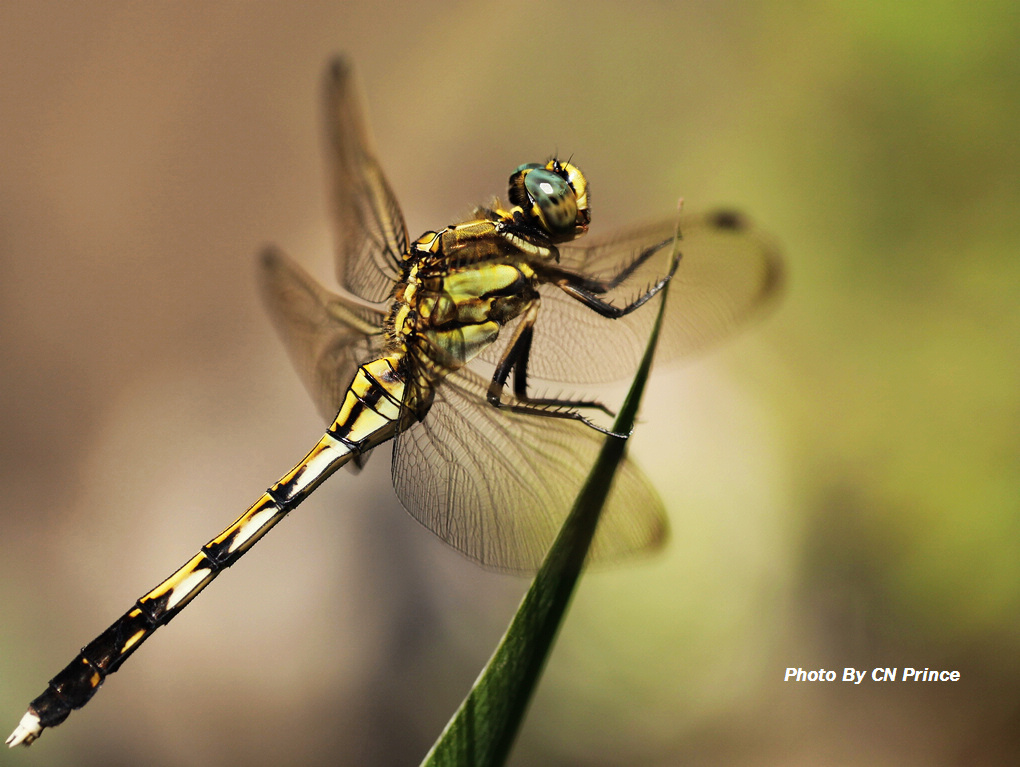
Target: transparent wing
{"x": 371, "y": 236}
{"x": 327, "y": 336}
{"x": 498, "y": 485}
{"x": 728, "y": 271}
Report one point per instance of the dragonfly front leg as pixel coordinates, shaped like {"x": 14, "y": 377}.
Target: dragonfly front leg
{"x": 516, "y": 359}
{"x": 588, "y": 290}
{"x": 581, "y": 290}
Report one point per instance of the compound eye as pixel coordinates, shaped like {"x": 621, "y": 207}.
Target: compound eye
{"x": 528, "y": 166}
{"x": 554, "y": 199}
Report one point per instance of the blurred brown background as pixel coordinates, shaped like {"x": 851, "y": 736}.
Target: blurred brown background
{"x": 842, "y": 479}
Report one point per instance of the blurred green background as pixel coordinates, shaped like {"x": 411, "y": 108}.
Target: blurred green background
{"x": 843, "y": 479}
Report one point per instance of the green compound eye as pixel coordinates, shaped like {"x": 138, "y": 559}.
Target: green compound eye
{"x": 528, "y": 166}
{"x": 557, "y": 206}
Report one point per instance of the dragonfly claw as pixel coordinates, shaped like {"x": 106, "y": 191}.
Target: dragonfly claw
{"x": 602, "y": 429}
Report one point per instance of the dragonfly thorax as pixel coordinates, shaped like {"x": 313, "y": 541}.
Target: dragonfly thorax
{"x": 449, "y": 308}
{"x": 461, "y": 285}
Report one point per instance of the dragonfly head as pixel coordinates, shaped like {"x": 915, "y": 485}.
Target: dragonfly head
{"x": 554, "y": 197}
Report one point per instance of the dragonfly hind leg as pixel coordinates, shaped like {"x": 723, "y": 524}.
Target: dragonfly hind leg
{"x": 516, "y": 359}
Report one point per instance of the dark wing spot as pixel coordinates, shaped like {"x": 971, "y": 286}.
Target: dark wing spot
{"x": 340, "y": 68}
{"x": 728, "y": 219}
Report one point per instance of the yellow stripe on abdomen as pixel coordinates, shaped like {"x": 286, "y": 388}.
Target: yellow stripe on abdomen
{"x": 371, "y": 409}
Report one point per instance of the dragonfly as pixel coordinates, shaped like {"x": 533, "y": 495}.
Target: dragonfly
{"x": 439, "y": 345}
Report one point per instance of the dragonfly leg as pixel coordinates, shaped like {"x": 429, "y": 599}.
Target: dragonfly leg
{"x": 588, "y": 290}
{"x": 556, "y": 274}
{"x": 622, "y": 275}
{"x": 583, "y": 291}
{"x": 516, "y": 359}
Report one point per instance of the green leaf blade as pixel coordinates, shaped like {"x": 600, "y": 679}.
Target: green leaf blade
{"x": 483, "y": 729}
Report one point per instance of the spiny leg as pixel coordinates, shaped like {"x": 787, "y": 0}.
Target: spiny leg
{"x": 622, "y": 275}
{"x": 516, "y": 358}
{"x": 579, "y": 290}
{"x": 587, "y": 289}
